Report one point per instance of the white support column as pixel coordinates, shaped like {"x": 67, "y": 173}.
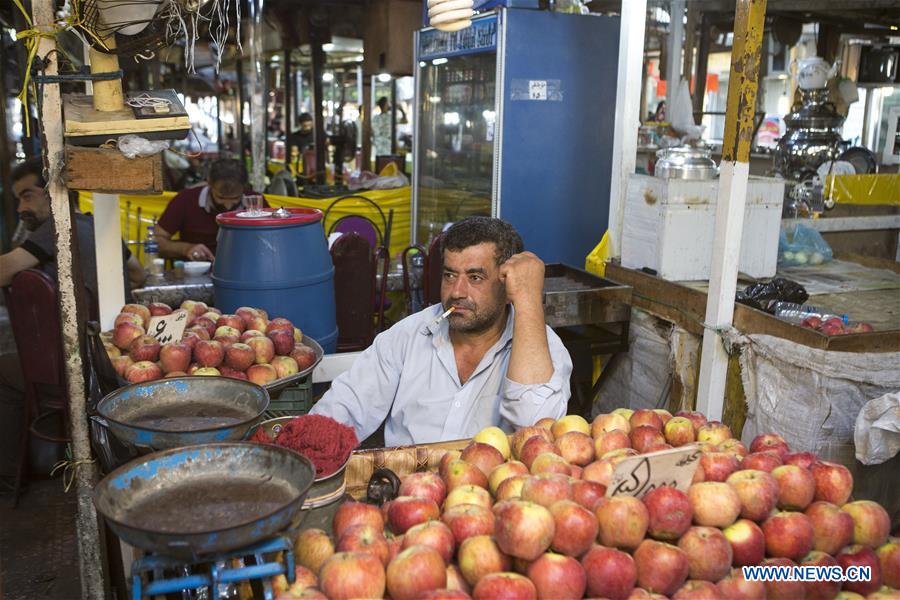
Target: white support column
{"x": 628, "y": 113}
{"x": 108, "y": 246}
{"x": 675, "y": 44}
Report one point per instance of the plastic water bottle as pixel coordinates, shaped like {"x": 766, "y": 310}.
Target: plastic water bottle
{"x": 151, "y": 250}
{"x": 797, "y": 313}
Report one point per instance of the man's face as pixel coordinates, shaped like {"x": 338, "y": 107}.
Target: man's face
{"x": 471, "y": 283}
{"x": 306, "y": 126}
{"x": 225, "y": 195}
{"x": 34, "y": 201}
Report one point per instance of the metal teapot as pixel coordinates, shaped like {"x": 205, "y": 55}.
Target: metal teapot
{"x": 813, "y": 72}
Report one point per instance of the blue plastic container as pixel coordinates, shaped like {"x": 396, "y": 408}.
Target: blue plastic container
{"x": 281, "y": 265}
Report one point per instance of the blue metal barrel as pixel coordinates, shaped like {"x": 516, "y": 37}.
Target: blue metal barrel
{"x": 281, "y": 265}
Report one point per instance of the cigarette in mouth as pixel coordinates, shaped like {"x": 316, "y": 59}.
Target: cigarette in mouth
{"x": 445, "y": 315}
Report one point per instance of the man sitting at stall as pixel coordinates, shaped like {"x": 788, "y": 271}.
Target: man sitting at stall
{"x": 492, "y": 361}
{"x": 192, "y": 212}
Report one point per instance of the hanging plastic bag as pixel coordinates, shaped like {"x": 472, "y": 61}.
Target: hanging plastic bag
{"x": 681, "y": 112}
{"x": 133, "y": 146}
{"x": 802, "y": 246}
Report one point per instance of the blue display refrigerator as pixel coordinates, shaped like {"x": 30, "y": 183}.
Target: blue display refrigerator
{"x": 514, "y": 119}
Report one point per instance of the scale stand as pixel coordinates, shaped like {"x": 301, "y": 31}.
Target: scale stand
{"x": 264, "y": 570}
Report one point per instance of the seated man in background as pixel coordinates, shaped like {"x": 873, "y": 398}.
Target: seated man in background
{"x": 492, "y": 361}
{"x": 192, "y": 212}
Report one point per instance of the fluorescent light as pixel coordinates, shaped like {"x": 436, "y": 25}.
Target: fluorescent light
{"x": 328, "y": 77}
{"x": 439, "y": 61}
{"x": 384, "y": 77}
{"x": 434, "y": 99}
{"x": 451, "y": 118}
{"x": 422, "y": 63}
{"x": 276, "y": 57}
{"x": 328, "y": 47}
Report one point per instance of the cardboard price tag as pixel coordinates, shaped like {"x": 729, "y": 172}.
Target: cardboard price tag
{"x": 168, "y": 328}
{"x": 639, "y": 475}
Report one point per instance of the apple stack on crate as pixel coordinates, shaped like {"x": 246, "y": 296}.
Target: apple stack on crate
{"x": 529, "y": 516}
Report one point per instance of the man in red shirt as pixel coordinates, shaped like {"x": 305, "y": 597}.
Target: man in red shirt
{"x": 192, "y": 213}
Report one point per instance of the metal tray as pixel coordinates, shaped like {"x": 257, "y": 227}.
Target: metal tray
{"x": 280, "y": 384}
{"x": 190, "y": 502}
{"x": 575, "y": 297}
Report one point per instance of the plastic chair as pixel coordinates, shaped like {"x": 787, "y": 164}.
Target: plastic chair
{"x": 359, "y": 225}
{"x": 354, "y": 291}
{"x": 34, "y": 316}
{"x": 434, "y": 269}
{"x": 381, "y": 233}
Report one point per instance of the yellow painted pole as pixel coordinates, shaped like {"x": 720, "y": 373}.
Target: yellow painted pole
{"x": 107, "y": 94}
{"x": 734, "y": 171}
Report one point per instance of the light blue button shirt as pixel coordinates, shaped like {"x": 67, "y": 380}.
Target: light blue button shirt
{"x": 409, "y": 376}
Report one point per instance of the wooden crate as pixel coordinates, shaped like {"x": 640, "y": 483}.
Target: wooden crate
{"x": 402, "y": 460}
{"x": 107, "y": 170}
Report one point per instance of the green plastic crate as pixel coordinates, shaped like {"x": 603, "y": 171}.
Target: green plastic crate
{"x": 292, "y": 401}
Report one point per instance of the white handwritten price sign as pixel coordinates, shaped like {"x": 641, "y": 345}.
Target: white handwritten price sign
{"x": 638, "y": 475}
{"x": 537, "y": 89}
{"x": 168, "y": 328}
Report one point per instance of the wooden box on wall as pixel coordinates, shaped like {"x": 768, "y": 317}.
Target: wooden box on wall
{"x": 388, "y": 39}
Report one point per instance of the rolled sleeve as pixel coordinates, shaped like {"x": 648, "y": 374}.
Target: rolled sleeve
{"x": 522, "y": 404}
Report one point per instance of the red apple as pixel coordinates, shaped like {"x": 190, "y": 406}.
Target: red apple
{"x": 511, "y": 488}
{"x": 609, "y": 422}
{"x": 444, "y": 594}
{"x": 611, "y": 573}
{"x": 858, "y": 555}
{"x": 714, "y": 504}
{"x": 504, "y": 586}
{"x": 522, "y": 435}
{"x": 644, "y": 437}
{"x": 159, "y": 309}
{"x": 190, "y": 339}
{"x": 708, "y": 552}
{"x": 679, "y": 431}
{"x": 797, "y": 487}
{"x": 547, "y": 489}
{"x": 282, "y": 341}
{"x": 143, "y": 371}
{"x": 209, "y": 353}
{"x": 645, "y": 417}
{"x": 758, "y": 492}
{"x": 469, "y": 520}
{"x": 395, "y": 544}
{"x": 533, "y": 448}
{"x": 246, "y": 312}
{"x": 232, "y": 373}
{"x": 549, "y": 462}
{"x": 557, "y": 576}
{"x": 128, "y": 317}
{"x": 569, "y": 423}
{"x": 479, "y": 556}
{"x": 121, "y": 363}
{"x": 607, "y": 441}
{"x": 670, "y": 513}
{"x": 770, "y": 442}
{"x": 735, "y": 587}
{"x": 233, "y": 321}
{"x": 576, "y": 447}
{"x": 483, "y": 456}
{"x": 304, "y": 355}
{"x": 524, "y": 529}
{"x": 575, "y": 526}
{"x": 665, "y": 415}
{"x": 139, "y": 309}
{"x": 599, "y": 471}
{"x": 174, "y": 357}
{"x": 460, "y": 472}
{"x": 249, "y": 333}
{"x": 406, "y": 511}
{"x": 364, "y": 538}
{"x": 207, "y": 372}
{"x": 717, "y": 466}
{"x": 206, "y": 323}
{"x": 352, "y": 513}
{"x": 262, "y": 374}
{"x": 748, "y": 543}
{"x": 424, "y": 484}
{"x": 832, "y": 527}
{"x": 788, "y": 535}
{"x": 714, "y": 432}
{"x": 697, "y": 419}
{"x": 349, "y": 575}
{"x": 416, "y": 570}
{"x": 503, "y": 472}
{"x": 193, "y": 307}
{"x": 312, "y": 548}
{"x": 433, "y": 534}
{"x": 698, "y": 590}
{"x": 733, "y": 446}
{"x": 871, "y": 523}
{"x": 783, "y": 590}
{"x": 201, "y": 332}
{"x": 281, "y": 323}
{"x": 800, "y": 459}
{"x": 227, "y": 332}
{"x": 468, "y": 494}
{"x": 285, "y": 366}
{"x": 264, "y": 349}
{"x": 889, "y": 560}
{"x": 661, "y": 567}
{"x": 239, "y": 356}
{"x": 834, "y": 482}
{"x": 820, "y": 590}
{"x": 623, "y": 522}
{"x": 761, "y": 461}
{"x": 456, "y": 582}
{"x": 587, "y": 493}
{"x": 125, "y": 333}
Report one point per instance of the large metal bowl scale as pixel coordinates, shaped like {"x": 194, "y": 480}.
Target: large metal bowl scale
{"x": 200, "y": 500}
{"x": 183, "y": 411}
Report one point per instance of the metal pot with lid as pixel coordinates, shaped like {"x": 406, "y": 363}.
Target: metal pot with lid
{"x": 813, "y": 136}
{"x": 685, "y": 162}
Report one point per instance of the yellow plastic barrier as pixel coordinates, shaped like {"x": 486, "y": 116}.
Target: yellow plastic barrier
{"x": 400, "y": 200}
{"x": 595, "y": 262}
{"x": 864, "y": 189}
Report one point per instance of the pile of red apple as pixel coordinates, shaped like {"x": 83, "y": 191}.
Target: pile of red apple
{"x": 245, "y": 345}
{"x": 834, "y": 326}
{"x": 528, "y": 517}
